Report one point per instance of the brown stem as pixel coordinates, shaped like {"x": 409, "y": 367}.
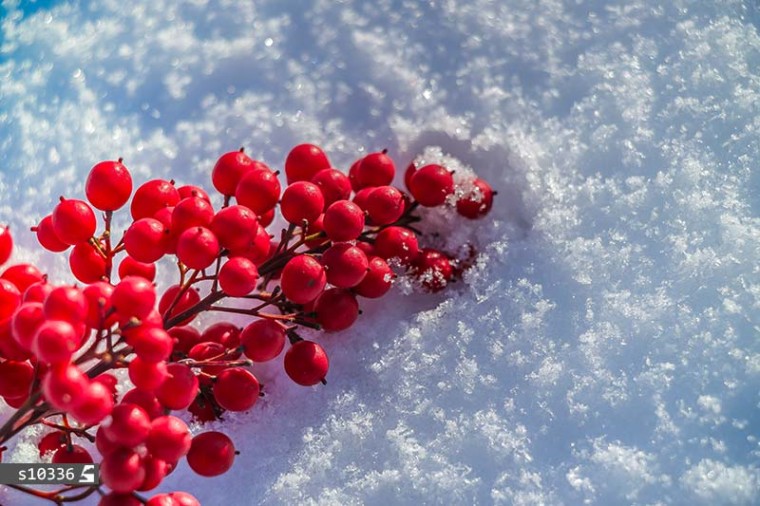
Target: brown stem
{"x": 109, "y": 252}
{"x": 224, "y": 363}
{"x": 74, "y": 430}
{"x": 183, "y": 289}
{"x": 201, "y": 306}
{"x": 74, "y": 498}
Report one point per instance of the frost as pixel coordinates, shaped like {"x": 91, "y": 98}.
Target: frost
{"x": 717, "y": 482}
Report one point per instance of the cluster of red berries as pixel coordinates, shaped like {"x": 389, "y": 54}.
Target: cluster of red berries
{"x": 346, "y": 235}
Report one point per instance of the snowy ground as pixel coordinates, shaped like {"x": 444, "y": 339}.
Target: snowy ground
{"x": 605, "y": 350}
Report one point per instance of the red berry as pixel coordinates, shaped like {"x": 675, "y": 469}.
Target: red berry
{"x": 267, "y": 218}
{"x": 367, "y": 248}
{"x": 10, "y": 299}
{"x": 257, "y": 249}
{"x": 103, "y": 444}
{"x": 191, "y": 212}
{"x": 228, "y": 171}
{"x": 164, "y": 215}
{"x": 302, "y": 201}
{"x": 122, "y": 470}
{"x": 51, "y": 442}
{"x": 116, "y": 499}
{"x": 306, "y": 363}
{"x": 235, "y": 227}
{"x": 184, "y": 499}
{"x": 185, "y": 337}
{"x": 410, "y": 170}
{"x": 225, "y": 333}
{"x": 63, "y": 385}
{"x": 346, "y": 265}
{"x": 6, "y": 244}
{"x": 378, "y": 280}
{"x": 477, "y": 202}
{"x": 46, "y": 236}
{"x": 397, "y": 242}
{"x": 75, "y": 455}
{"x": 304, "y": 161}
{"x": 303, "y": 279}
{"x": 146, "y": 400}
{"x": 337, "y": 309}
{"x": 431, "y": 184}
{"x": 344, "y": 221}
{"x": 37, "y": 292}
{"x": 98, "y": 297}
{"x": 146, "y": 240}
{"x": 197, "y": 248}
{"x": 147, "y": 375}
{"x": 208, "y": 351}
{"x": 66, "y": 303}
{"x": 15, "y": 378}
{"x": 236, "y": 389}
{"x": 173, "y": 499}
{"x": 334, "y": 185}
{"x": 376, "y": 169}
{"x": 153, "y": 196}
{"x": 188, "y": 299}
{"x": 169, "y": 438}
{"x": 179, "y": 389}
{"x": 238, "y": 277}
{"x": 385, "y": 205}
{"x": 56, "y": 341}
{"x": 362, "y": 196}
{"x": 25, "y": 322}
{"x": 263, "y": 340}
{"x": 211, "y": 454}
{"x": 86, "y": 264}
{"x": 129, "y": 425}
{"x": 131, "y": 267}
{"x": 258, "y": 190}
{"x": 22, "y": 275}
{"x": 108, "y": 185}
{"x": 134, "y": 297}
{"x": 73, "y": 221}
{"x": 152, "y": 344}
{"x": 15, "y": 402}
{"x": 107, "y": 380}
{"x": 9, "y": 349}
{"x": 433, "y": 269}
{"x": 95, "y": 403}
{"x": 155, "y": 471}
{"x": 314, "y": 232}
{"x": 130, "y": 326}
{"x": 192, "y": 191}
{"x": 353, "y": 175}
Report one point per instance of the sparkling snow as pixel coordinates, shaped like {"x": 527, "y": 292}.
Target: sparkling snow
{"x": 605, "y": 348}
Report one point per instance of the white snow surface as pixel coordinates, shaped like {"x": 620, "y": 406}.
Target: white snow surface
{"x": 605, "y": 349}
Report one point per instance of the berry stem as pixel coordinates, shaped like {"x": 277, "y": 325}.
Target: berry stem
{"x": 107, "y": 235}
{"x": 223, "y": 363}
{"x": 94, "y": 243}
{"x": 184, "y": 288}
{"x": 203, "y": 305}
{"x": 65, "y": 428}
{"x": 33, "y": 492}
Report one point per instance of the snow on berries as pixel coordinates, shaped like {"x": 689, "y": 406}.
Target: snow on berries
{"x": 348, "y": 237}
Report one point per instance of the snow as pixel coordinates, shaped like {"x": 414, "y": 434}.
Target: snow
{"x": 604, "y": 349}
